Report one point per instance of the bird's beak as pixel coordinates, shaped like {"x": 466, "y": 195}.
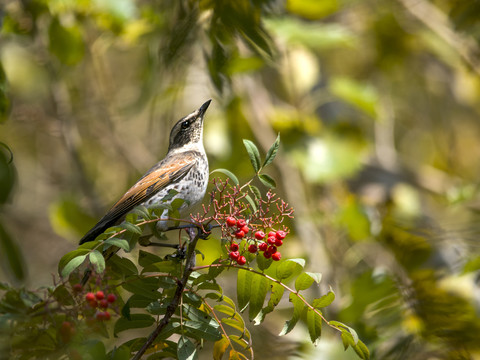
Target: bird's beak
{"x": 204, "y": 108}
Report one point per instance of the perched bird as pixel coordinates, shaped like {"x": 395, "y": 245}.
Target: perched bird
{"x": 184, "y": 169}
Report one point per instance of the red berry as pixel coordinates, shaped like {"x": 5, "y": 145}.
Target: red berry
{"x": 93, "y": 304}
{"x": 231, "y": 221}
{"x": 271, "y": 240}
{"x": 280, "y": 235}
{"x": 267, "y": 255}
{"x": 90, "y": 296}
{"x": 272, "y": 249}
{"x": 263, "y": 246}
{"x": 272, "y": 233}
{"x": 233, "y": 247}
{"x": 234, "y": 255}
{"x": 241, "y": 223}
{"x": 252, "y": 248}
{"x": 259, "y": 235}
{"x": 241, "y": 260}
{"x": 100, "y": 295}
{"x": 245, "y": 229}
{"x": 100, "y": 316}
{"x": 278, "y": 242}
{"x": 111, "y": 298}
{"x": 103, "y": 303}
{"x": 106, "y": 315}
{"x": 77, "y": 288}
{"x": 276, "y": 256}
{"x": 239, "y": 234}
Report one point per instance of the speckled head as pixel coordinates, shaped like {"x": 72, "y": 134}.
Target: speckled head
{"x": 188, "y": 130}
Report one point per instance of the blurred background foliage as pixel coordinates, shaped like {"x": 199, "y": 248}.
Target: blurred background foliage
{"x": 378, "y": 106}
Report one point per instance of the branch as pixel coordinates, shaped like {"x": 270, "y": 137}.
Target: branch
{"x": 189, "y": 266}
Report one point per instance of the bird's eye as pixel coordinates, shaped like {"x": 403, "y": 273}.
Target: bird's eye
{"x": 185, "y": 124}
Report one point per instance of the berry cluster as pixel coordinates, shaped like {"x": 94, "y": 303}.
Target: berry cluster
{"x": 101, "y": 302}
{"x": 256, "y": 243}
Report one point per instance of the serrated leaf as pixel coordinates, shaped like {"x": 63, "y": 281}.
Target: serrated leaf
{"x": 72, "y": 265}
{"x": 298, "y": 306}
{"x": 267, "y": 180}
{"x": 228, "y": 173}
{"x": 314, "y": 324}
{"x": 259, "y": 289}
{"x": 244, "y": 288}
{"x": 121, "y": 243}
{"x": 272, "y": 152}
{"x": 253, "y": 154}
{"x": 137, "y": 321}
{"x": 97, "y": 260}
{"x": 289, "y": 267}
{"x": 346, "y": 329}
{"x": 220, "y": 347}
{"x": 324, "y": 301}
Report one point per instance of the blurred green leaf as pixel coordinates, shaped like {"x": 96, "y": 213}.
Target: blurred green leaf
{"x": 66, "y": 43}
{"x": 137, "y": 321}
{"x": 11, "y": 256}
{"x": 4, "y": 99}
{"x": 68, "y": 219}
{"x": 312, "y": 9}
{"x": 7, "y": 172}
{"x": 362, "y": 96}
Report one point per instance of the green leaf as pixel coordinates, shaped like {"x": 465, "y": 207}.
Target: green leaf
{"x": 165, "y": 266}
{"x": 146, "y": 258}
{"x": 314, "y": 324}
{"x": 131, "y": 228}
{"x": 272, "y": 152}
{"x": 72, "y": 265}
{"x": 98, "y": 261}
{"x": 263, "y": 263}
{"x": 251, "y": 202}
{"x": 361, "y": 350}
{"x": 255, "y": 192}
{"x": 267, "y": 180}
{"x": 347, "y": 330}
{"x": 69, "y": 256}
{"x": 186, "y": 349}
{"x": 122, "y": 266}
{"x": 203, "y": 330}
{"x": 324, "y": 301}
{"x": 147, "y": 287}
{"x": 137, "y": 321}
{"x": 253, "y": 153}
{"x": 305, "y": 280}
{"x": 66, "y": 43}
{"x": 121, "y": 243}
{"x": 11, "y": 255}
{"x": 244, "y": 288}
{"x": 298, "y": 306}
{"x": 289, "y": 267}
{"x": 259, "y": 289}
{"x": 276, "y": 294}
{"x": 228, "y": 173}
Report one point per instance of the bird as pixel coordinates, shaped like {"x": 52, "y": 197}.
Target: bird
{"x": 184, "y": 169}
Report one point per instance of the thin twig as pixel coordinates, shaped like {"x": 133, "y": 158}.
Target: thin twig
{"x": 189, "y": 266}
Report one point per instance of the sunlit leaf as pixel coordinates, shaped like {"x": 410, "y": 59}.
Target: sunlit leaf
{"x": 324, "y": 301}
{"x": 220, "y": 347}
{"x": 244, "y": 288}
{"x": 312, "y": 9}
{"x": 121, "y": 243}
{"x": 259, "y": 289}
{"x": 298, "y": 306}
{"x": 66, "y": 43}
{"x": 289, "y": 267}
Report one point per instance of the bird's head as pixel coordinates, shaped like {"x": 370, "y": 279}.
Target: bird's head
{"x": 189, "y": 129}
